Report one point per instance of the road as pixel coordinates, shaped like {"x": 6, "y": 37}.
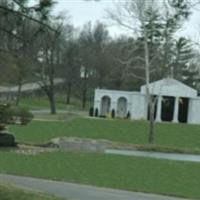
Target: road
{"x": 158, "y": 155}
{"x": 76, "y": 191}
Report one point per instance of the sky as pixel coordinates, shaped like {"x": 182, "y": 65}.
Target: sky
{"x": 83, "y": 11}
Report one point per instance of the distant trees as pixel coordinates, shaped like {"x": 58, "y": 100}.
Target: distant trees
{"x": 87, "y": 61}
{"x": 31, "y": 35}
{"x": 20, "y": 25}
{"x": 47, "y": 62}
{"x": 70, "y": 67}
{"x": 33, "y": 42}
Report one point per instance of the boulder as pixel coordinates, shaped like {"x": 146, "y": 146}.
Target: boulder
{"x": 79, "y": 144}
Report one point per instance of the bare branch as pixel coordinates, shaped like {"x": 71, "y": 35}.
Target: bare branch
{"x": 9, "y": 32}
{"x": 152, "y": 59}
{"x": 28, "y": 17}
{"x": 136, "y": 76}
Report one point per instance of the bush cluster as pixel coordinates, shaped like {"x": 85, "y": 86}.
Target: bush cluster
{"x": 13, "y": 114}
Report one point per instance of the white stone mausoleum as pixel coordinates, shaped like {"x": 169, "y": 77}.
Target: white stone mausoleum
{"x": 176, "y": 102}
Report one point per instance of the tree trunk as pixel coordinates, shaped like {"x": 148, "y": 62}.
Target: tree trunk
{"x": 52, "y": 86}
{"x": 149, "y": 100}
{"x": 84, "y": 98}
{"x": 19, "y": 92}
{"x": 151, "y": 121}
{"x": 52, "y": 98}
{"x": 51, "y": 94}
{"x": 52, "y": 104}
{"x": 69, "y": 86}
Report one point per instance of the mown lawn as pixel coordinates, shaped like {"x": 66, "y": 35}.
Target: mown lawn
{"x": 35, "y": 103}
{"x": 167, "y": 134}
{"x": 129, "y": 173}
{"x": 12, "y": 193}
{"x": 40, "y": 103}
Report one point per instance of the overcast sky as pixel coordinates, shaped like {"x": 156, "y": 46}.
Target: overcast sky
{"x": 83, "y": 11}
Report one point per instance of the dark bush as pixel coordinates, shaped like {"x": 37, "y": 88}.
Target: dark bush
{"x": 13, "y": 114}
{"x": 25, "y": 116}
{"x": 96, "y": 113}
{"x": 128, "y": 116}
{"x": 10, "y": 115}
{"x": 102, "y": 116}
{"x": 7, "y": 140}
{"x": 2, "y": 127}
{"x": 113, "y": 113}
{"x": 3, "y": 108}
{"x": 91, "y": 112}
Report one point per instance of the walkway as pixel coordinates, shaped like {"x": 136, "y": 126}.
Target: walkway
{"x": 158, "y": 155}
{"x": 77, "y": 191}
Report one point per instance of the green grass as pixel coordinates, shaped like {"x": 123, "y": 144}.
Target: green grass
{"x": 129, "y": 173}
{"x": 40, "y": 103}
{"x": 182, "y": 136}
{"x": 12, "y": 193}
{"x": 36, "y": 103}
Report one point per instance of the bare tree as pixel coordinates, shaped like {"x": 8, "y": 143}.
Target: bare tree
{"x": 70, "y": 70}
{"x": 19, "y": 28}
{"x": 48, "y": 60}
{"x": 134, "y": 16}
{"x": 144, "y": 19}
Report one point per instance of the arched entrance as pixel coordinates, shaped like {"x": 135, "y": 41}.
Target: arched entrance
{"x": 105, "y": 105}
{"x": 122, "y": 107}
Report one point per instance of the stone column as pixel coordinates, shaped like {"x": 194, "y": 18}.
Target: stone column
{"x": 159, "y": 109}
{"x": 176, "y": 110}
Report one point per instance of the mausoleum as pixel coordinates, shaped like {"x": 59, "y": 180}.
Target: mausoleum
{"x": 175, "y": 102}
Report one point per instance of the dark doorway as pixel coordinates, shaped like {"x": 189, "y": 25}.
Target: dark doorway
{"x": 167, "y": 108}
{"x": 183, "y": 110}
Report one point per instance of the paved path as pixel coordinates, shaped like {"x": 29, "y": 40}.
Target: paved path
{"x": 77, "y": 191}
{"x": 159, "y": 155}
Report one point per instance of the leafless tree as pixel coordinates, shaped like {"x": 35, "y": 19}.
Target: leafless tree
{"x": 134, "y": 16}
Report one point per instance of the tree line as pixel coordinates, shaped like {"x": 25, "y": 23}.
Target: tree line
{"x": 36, "y": 45}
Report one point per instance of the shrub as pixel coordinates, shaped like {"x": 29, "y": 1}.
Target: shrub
{"x": 10, "y": 115}
{"x": 91, "y": 112}
{"x": 25, "y": 116}
{"x": 7, "y": 140}
{"x": 128, "y": 116}
{"x": 3, "y": 108}
{"x": 2, "y": 127}
{"x": 113, "y": 113}
{"x": 96, "y": 114}
{"x": 13, "y": 114}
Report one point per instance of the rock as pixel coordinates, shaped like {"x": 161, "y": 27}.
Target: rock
{"x": 79, "y": 144}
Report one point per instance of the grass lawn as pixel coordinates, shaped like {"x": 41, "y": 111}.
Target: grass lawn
{"x": 35, "y": 103}
{"x": 40, "y": 103}
{"x": 129, "y": 173}
{"x": 170, "y": 135}
{"x": 12, "y": 193}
